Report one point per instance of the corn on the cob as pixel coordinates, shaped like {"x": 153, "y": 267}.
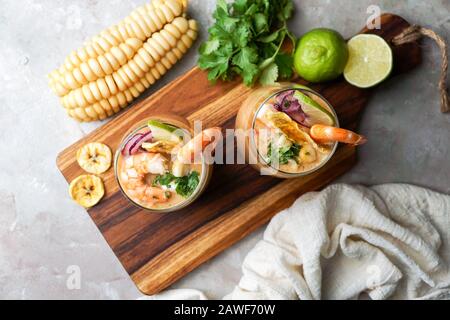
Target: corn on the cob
{"x": 140, "y": 24}
{"x": 116, "y": 66}
{"x": 99, "y": 107}
{"x": 153, "y": 50}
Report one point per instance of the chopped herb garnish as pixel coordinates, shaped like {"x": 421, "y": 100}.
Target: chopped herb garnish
{"x": 184, "y": 186}
{"x": 282, "y": 155}
{"x": 164, "y": 180}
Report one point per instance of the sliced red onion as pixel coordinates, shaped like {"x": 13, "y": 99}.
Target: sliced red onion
{"x": 135, "y": 142}
{"x": 283, "y": 95}
{"x": 287, "y": 103}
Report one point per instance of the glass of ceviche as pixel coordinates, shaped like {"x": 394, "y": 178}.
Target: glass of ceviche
{"x": 290, "y": 130}
{"x": 160, "y": 167}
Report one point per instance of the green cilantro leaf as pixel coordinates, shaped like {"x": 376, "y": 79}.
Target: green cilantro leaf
{"x": 245, "y": 56}
{"x": 284, "y": 154}
{"x": 260, "y": 22}
{"x": 284, "y": 62}
{"x": 246, "y": 60}
{"x": 270, "y": 38}
{"x": 242, "y": 35}
{"x": 163, "y": 180}
{"x": 184, "y": 186}
{"x": 240, "y": 6}
{"x": 222, "y": 4}
{"x": 269, "y": 75}
{"x": 210, "y": 46}
{"x": 217, "y": 62}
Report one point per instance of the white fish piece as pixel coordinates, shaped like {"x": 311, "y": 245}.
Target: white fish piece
{"x": 156, "y": 164}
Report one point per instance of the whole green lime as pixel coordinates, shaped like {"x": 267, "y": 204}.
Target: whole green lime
{"x": 321, "y": 55}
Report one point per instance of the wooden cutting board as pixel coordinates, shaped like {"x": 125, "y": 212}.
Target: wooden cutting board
{"x": 158, "y": 249}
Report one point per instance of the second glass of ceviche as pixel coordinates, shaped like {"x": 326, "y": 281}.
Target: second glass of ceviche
{"x": 290, "y": 130}
{"x": 160, "y": 167}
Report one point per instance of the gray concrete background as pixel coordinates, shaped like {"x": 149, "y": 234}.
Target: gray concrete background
{"x": 42, "y": 232}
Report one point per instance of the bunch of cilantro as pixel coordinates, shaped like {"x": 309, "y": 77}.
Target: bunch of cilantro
{"x": 246, "y": 39}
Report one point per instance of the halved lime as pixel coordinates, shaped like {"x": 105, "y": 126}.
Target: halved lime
{"x": 370, "y": 60}
{"x": 164, "y": 132}
{"x": 315, "y": 112}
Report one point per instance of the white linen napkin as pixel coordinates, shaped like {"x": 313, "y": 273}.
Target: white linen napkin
{"x": 388, "y": 241}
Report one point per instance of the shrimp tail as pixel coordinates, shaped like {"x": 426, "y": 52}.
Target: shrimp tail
{"x": 325, "y": 134}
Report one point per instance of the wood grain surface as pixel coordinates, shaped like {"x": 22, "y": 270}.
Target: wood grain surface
{"x": 158, "y": 249}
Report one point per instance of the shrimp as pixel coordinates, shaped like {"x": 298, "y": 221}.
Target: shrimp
{"x": 134, "y": 177}
{"x": 192, "y": 150}
{"x": 323, "y": 134}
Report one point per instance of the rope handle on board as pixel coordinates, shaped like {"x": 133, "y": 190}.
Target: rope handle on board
{"x": 414, "y": 33}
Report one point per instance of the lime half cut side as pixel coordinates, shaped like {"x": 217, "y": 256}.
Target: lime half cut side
{"x": 315, "y": 112}
{"x": 370, "y": 60}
